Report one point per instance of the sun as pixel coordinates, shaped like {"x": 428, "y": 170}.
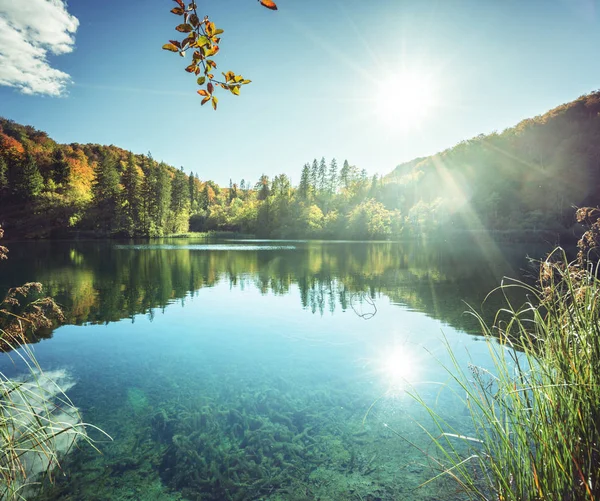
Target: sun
{"x": 405, "y": 99}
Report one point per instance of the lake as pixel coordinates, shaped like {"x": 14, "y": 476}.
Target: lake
{"x": 267, "y": 370}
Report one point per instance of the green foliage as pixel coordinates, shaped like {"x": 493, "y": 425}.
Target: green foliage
{"x": 28, "y": 182}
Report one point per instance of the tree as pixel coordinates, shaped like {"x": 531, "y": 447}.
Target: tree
{"x": 322, "y": 175}
{"x": 132, "y": 198}
{"x": 163, "y": 198}
{"x": 60, "y": 166}
{"x": 304, "y": 186}
{"x": 333, "y": 176}
{"x": 106, "y": 191}
{"x": 314, "y": 175}
{"x": 3, "y": 175}
{"x": 29, "y": 182}
{"x": 263, "y": 187}
{"x": 345, "y": 175}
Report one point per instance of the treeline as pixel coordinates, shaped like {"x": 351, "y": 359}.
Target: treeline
{"x": 527, "y": 178}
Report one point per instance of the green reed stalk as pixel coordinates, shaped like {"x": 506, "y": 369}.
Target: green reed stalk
{"x": 536, "y": 414}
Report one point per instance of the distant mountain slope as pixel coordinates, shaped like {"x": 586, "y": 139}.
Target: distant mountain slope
{"x": 528, "y": 176}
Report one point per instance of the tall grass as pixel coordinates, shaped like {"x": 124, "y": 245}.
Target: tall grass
{"x": 38, "y": 422}
{"x": 535, "y": 416}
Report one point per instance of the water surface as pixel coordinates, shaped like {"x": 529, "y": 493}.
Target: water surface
{"x": 260, "y": 370}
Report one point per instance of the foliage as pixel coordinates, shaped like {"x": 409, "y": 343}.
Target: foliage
{"x": 522, "y": 183}
{"x": 536, "y": 414}
{"x": 202, "y": 37}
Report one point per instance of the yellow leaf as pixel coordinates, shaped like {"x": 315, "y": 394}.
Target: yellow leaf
{"x": 214, "y": 103}
{"x": 171, "y": 47}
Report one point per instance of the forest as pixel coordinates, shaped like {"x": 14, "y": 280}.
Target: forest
{"x": 525, "y": 181}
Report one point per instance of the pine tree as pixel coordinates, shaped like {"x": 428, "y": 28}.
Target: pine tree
{"x": 148, "y": 212}
{"x": 131, "y": 198}
{"x": 314, "y": 175}
{"x": 193, "y": 190}
{"x": 304, "y": 186}
{"x": 322, "y": 176}
{"x": 345, "y": 175}
{"x": 180, "y": 203}
{"x": 60, "y": 166}
{"x": 333, "y": 176}
{"x": 263, "y": 187}
{"x": 29, "y": 182}
{"x": 3, "y": 175}
{"x": 106, "y": 191}
{"x": 163, "y": 199}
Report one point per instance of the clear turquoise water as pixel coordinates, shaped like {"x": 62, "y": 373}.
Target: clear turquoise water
{"x": 273, "y": 371}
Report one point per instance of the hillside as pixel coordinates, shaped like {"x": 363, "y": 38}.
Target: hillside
{"x": 522, "y": 181}
{"x": 529, "y": 176}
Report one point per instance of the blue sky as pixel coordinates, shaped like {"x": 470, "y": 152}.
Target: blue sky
{"x": 325, "y": 77}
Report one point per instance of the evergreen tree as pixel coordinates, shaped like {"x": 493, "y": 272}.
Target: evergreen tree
{"x": 149, "y": 207}
{"x": 29, "y": 182}
{"x": 180, "y": 203}
{"x": 314, "y": 175}
{"x": 3, "y": 175}
{"x": 105, "y": 191}
{"x": 131, "y": 198}
{"x": 322, "y": 176}
{"x": 333, "y": 176}
{"x": 263, "y": 187}
{"x": 345, "y": 175}
{"x": 61, "y": 167}
{"x": 304, "y": 186}
{"x": 373, "y": 190}
{"x": 193, "y": 190}
{"x": 163, "y": 199}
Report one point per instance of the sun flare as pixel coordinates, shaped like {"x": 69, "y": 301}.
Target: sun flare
{"x": 399, "y": 367}
{"x": 405, "y": 99}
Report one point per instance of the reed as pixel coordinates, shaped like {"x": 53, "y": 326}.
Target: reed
{"x": 535, "y": 415}
{"x": 38, "y": 422}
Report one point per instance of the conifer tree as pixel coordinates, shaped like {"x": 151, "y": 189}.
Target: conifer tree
{"x": 3, "y": 175}
{"x": 304, "y": 186}
{"x": 333, "y": 176}
{"x": 345, "y": 175}
{"x": 314, "y": 175}
{"x": 322, "y": 176}
{"x": 29, "y": 182}
{"x": 163, "y": 199}
{"x": 106, "y": 191}
{"x": 61, "y": 167}
{"x": 132, "y": 198}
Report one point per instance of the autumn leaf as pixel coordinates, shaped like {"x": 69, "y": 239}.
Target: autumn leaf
{"x": 205, "y": 100}
{"x": 184, "y": 28}
{"x": 194, "y": 21}
{"x": 210, "y": 87}
{"x": 171, "y": 47}
{"x": 202, "y": 92}
{"x": 214, "y": 103}
{"x": 177, "y": 10}
{"x": 269, "y": 4}
{"x": 201, "y": 80}
{"x": 180, "y": 3}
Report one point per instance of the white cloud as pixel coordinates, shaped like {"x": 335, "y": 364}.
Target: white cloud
{"x": 30, "y": 30}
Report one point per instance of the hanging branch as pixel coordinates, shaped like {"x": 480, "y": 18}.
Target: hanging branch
{"x": 202, "y": 36}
